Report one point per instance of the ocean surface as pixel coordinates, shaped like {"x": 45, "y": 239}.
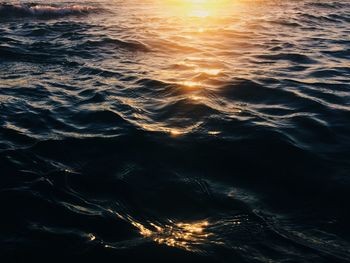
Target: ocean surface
{"x": 175, "y": 131}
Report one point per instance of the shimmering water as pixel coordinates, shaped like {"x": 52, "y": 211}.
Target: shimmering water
{"x": 175, "y": 131}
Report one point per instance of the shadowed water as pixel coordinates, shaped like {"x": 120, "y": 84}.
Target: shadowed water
{"x": 174, "y": 131}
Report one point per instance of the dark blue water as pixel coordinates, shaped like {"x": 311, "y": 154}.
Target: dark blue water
{"x": 175, "y": 131}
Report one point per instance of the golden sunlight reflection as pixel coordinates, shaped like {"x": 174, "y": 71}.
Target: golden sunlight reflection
{"x": 190, "y": 84}
{"x": 195, "y": 68}
{"x": 199, "y": 8}
{"x": 208, "y": 71}
{"x": 214, "y": 132}
{"x": 200, "y": 13}
{"x": 174, "y": 132}
{"x": 197, "y": 22}
{"x": 91, "y": 237}
{"x": 193, "y": 74}
{"x": 180, "y": 235}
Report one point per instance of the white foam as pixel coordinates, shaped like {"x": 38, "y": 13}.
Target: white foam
{"x": 43, "y": 10}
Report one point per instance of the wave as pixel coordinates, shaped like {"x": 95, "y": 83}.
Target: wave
{"x": 42, "y": 11}
{"x": 131, "y": 45}
{"x": 292, "y": 57}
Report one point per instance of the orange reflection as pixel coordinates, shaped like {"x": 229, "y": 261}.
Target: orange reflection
{"x": 200, "y": 13}
{"x": 199, "y": 8}
{"x": 214, "y": 132}
{"x": 208, "y": 71}
{"x": 181, "y": 235}
{"x": 91, "y": 237}
{"x": 191, "y": 84}
{"x": 174, "y": 132}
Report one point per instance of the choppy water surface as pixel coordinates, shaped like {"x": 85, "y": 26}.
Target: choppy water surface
{"x": 175, "y": 131}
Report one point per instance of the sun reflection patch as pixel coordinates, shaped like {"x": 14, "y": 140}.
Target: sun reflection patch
{"x": 200, "y": 13}
{"x": 211, "y": 72}
{"x": 191, "y": 84}
{"x": 199, "y": 8}
{"x": 180, "y": 235}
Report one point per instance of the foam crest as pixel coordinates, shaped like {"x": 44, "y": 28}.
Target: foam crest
{"x": 42, "y": 11}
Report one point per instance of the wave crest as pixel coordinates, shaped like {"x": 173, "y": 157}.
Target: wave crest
{"x": 42, "y": 11}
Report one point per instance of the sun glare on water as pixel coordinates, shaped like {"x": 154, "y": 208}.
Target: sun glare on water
{"x": 198, "y": 8}
{"x": 188, "y": 32}
{"x": 181, "y": 235}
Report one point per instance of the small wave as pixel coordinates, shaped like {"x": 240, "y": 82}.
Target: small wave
{"x": 42, "y": 11}
{"x": 131, "y": 45}
{"x": 284, "y": 22}
{"x": 292, "y": 57}
{"x": 331, "y": 5}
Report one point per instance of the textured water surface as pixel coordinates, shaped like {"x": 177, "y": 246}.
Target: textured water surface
{"x": 175, "y": 131}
